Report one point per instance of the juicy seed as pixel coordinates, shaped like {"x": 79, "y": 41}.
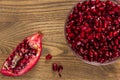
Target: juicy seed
{"x": 55, "y": 67}
{"x": 60, "y": 68}
{"x": 49, "y": 57}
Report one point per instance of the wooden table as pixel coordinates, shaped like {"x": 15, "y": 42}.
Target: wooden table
{"x": 20, "y": 18}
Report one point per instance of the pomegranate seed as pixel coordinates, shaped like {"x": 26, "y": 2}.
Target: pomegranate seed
{"x": 49, "y": 57}
{"x": 111, "y": 12}
{"x": 116, "y": 42}
{"x": 55, "y": 67}
{"x": 60, "y": 68}
{"x": 79, "y": 5}
{"x": 97, "y": 1}
{"x": 108, "y": 2}
{"x": 83, "y": 8}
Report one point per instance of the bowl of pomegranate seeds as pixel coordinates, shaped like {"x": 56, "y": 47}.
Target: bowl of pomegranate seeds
{"x": 92, "y": 31}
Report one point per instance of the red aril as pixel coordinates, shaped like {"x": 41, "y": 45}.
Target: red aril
{"x": 54, "y": 66}
{"x": 24, "y": 57}
{"x": 48, "y": 57}
{"x": 60, "y": 68}
{"x": 93, "y": 31}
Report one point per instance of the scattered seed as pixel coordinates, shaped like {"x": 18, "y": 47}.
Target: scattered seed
{"x": 48, "y": 57}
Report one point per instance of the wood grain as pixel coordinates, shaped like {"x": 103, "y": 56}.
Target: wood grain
{"x": 21, "y": 18}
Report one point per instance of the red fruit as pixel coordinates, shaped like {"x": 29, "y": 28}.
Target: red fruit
{"x": 24, "y": 57}
{"x": 60, "y": 68}
{"x": 49, "y": 57}
{"x": 96, "y": 27}
{"x": 55, "y": 67}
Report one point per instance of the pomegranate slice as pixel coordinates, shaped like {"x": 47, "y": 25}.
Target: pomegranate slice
{"x": 24, "y": 57}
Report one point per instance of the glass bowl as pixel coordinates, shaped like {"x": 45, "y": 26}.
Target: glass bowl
{"x": 88, "y": 54}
